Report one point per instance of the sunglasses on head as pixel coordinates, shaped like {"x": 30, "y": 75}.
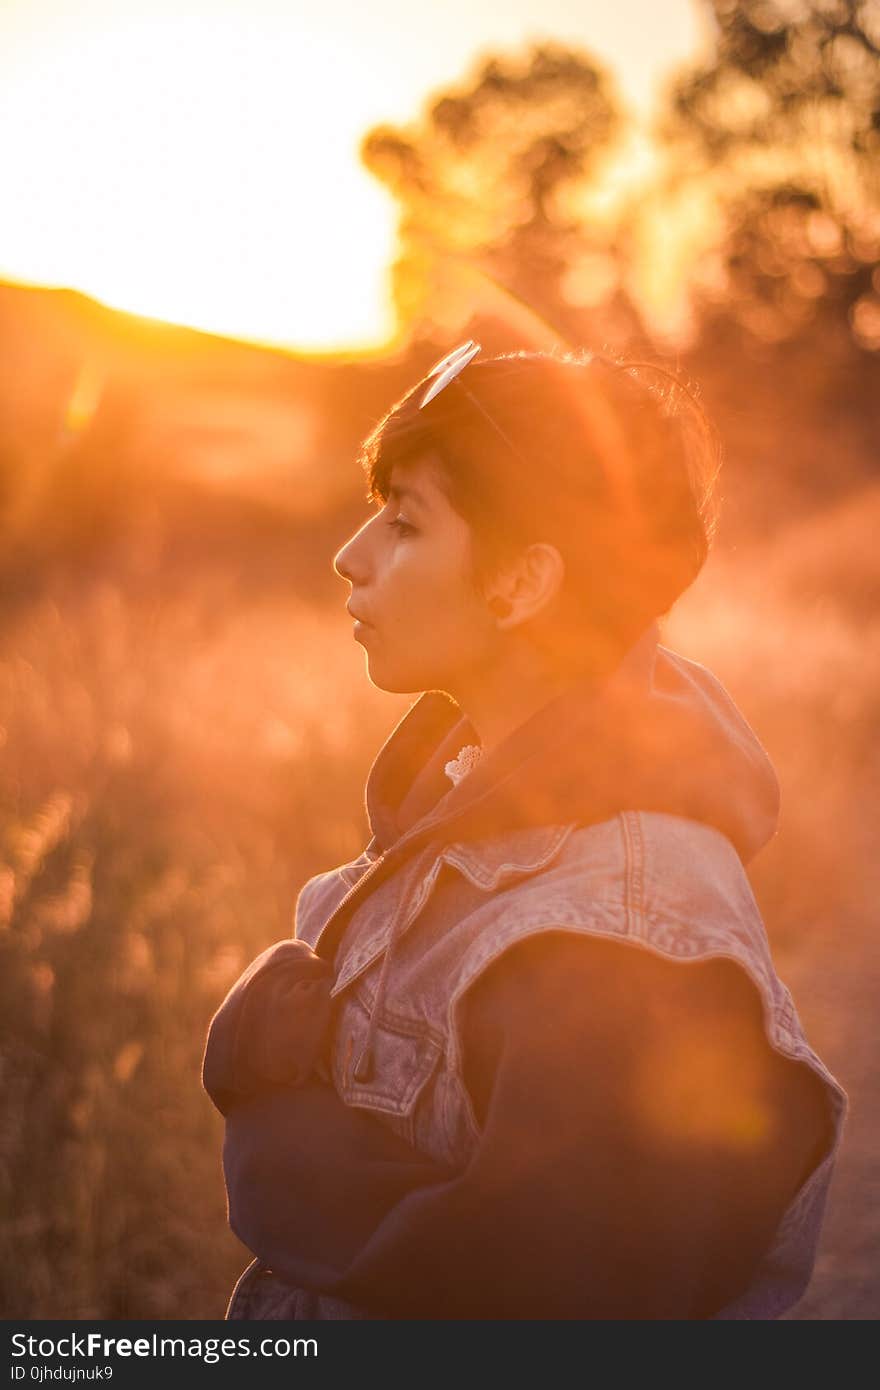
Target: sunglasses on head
{"x": 447, "y": 370}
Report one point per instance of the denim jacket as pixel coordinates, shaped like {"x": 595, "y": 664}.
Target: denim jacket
{"x": 626, "y": 811}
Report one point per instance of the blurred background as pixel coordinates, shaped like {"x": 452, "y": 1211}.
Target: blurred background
{"x": 230, "y": 235}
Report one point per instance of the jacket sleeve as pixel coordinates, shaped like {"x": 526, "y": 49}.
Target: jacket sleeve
{"x": 640, "y": 1141}
{"x": 271, "y": 1028}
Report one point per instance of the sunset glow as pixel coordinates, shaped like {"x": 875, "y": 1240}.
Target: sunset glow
{"x": 203, "y": 207}
{"x": 199, "y": 163}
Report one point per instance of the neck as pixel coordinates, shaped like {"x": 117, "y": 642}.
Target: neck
{"x": 499, "y": 699}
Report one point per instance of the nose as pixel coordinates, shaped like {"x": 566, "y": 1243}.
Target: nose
{"x": 340, "y": 563}
{"x": 349, "y": 562}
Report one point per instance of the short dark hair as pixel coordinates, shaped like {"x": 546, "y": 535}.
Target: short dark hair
{"x": 615, "y": 464}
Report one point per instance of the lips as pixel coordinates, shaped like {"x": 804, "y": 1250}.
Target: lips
{"x": 357, "y": 617}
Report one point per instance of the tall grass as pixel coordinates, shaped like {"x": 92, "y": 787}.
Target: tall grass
{"x": 173, "y": 772}
{"x": 176, "y": 767}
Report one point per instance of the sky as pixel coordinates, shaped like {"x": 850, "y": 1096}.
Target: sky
{"x": 196, "y": 160}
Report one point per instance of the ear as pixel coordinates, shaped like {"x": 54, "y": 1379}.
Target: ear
{"x": 527, "y": 587}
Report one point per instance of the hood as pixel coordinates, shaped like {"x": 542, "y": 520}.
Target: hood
{"x": 659, "y": 734}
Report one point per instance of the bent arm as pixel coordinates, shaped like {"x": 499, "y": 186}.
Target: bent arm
{"x": 640, "y": 1143}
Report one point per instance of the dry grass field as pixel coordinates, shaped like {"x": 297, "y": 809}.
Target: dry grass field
{"x": 178, "y": 759}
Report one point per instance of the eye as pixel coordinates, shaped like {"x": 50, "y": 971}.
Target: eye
{"x": 403, "y": 527}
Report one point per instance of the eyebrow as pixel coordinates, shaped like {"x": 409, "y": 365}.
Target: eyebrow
{"x": 398, "y": 490}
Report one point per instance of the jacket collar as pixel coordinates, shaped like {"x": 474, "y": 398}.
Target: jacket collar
{"x": 659, "y": 734}
{"x": 489, "y": 866}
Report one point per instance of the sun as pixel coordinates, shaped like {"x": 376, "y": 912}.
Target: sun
{"x": 200, "y": 170}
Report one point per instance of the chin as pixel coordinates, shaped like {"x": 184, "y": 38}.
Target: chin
{"x": 400, "y": 681}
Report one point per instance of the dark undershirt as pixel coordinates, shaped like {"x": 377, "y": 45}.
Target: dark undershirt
{"x": 640, "y": 1142}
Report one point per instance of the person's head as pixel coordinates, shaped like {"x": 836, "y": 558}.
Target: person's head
{"x": 546, "y": 505}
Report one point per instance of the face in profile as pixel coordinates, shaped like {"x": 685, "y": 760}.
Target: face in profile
{"x": 421, "y": 621}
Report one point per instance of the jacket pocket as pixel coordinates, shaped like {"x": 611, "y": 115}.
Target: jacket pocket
{"x": 404, "y": 1057}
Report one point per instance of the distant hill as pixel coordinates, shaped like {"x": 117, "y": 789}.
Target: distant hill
{"x": 106, "y": 417}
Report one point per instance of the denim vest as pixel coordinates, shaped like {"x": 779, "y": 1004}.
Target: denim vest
{"x": 657, "y": 881}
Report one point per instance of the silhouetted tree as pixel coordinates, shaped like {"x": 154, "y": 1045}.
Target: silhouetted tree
{"x": 781, "y": 131}
{"x": 484, "y": 180}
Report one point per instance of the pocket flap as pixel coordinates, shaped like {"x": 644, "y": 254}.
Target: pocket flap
{"x": 404, "y": 1052}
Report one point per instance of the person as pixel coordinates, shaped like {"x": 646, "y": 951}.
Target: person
{"x": 560, "y": 1076}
